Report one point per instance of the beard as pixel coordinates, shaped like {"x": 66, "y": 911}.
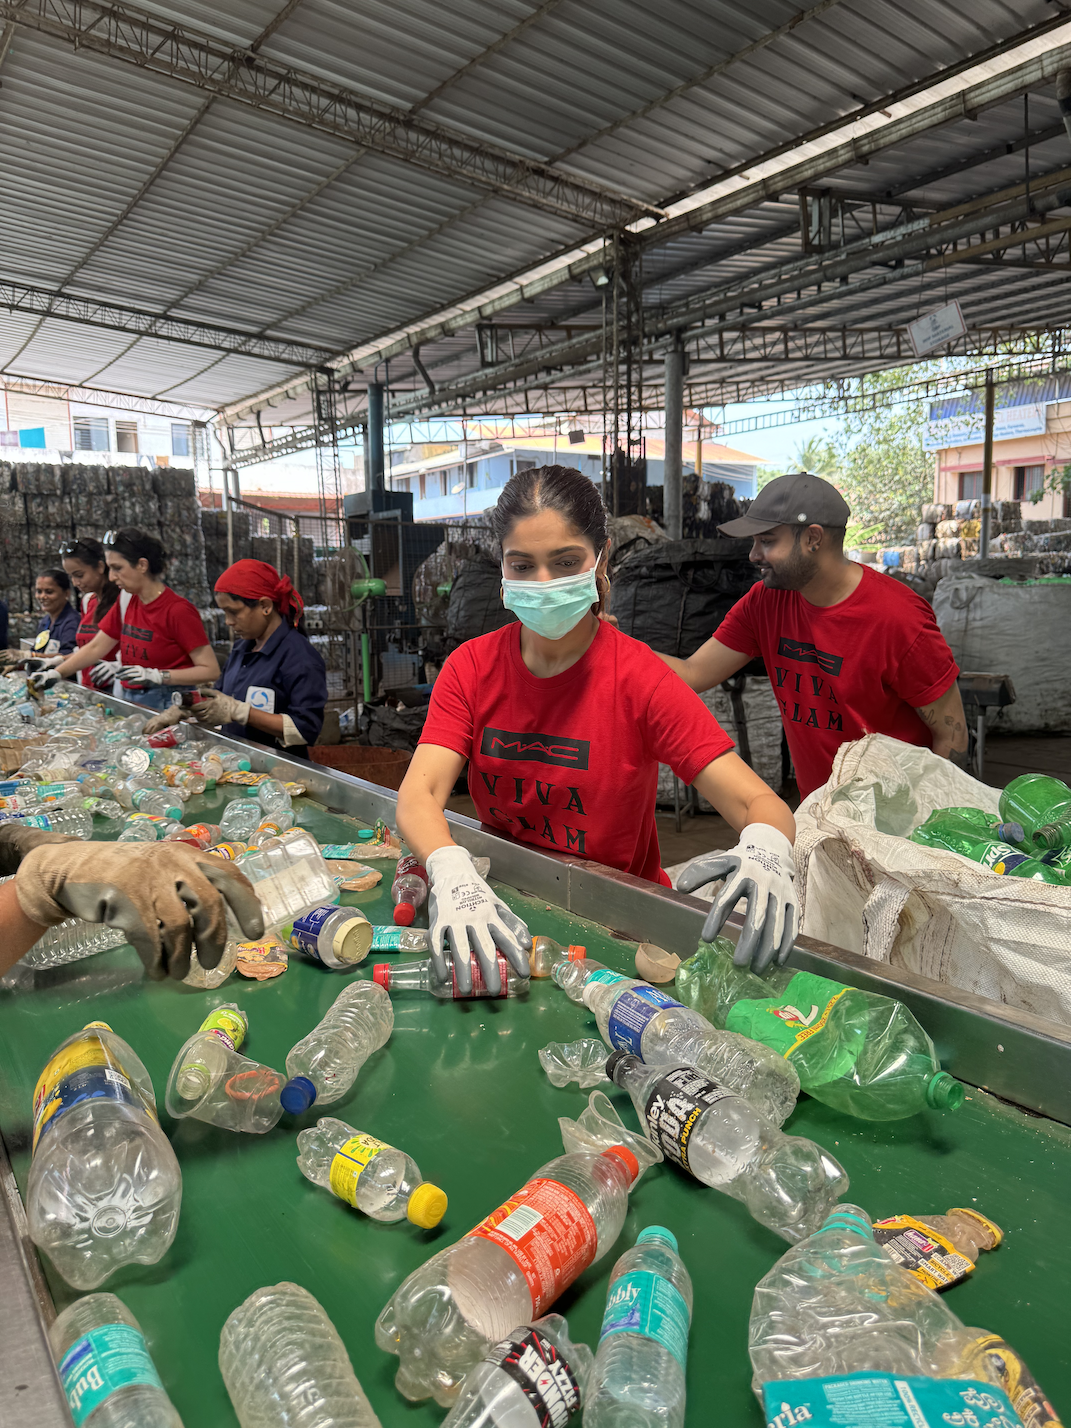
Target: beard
{"x": 793, "y": 573}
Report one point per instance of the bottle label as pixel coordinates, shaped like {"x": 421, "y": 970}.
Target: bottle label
{"x": 927, "y": 1255}
{"x": 166, "y": 739}
{"x": 101, "y": 1362}
{"x": 338, "y": 850}
{"x": 350, "y": 1161}
{"x": 1026, "y": 1394}
{"x": 542, "y": 1375}
{"x": 883, "y": 1400}
{"x": 673, "y": 1108}
{"x": 228, "y": 851}
{"x": 387, "y": 939}
{"x": 49, "y": 791}
{"x": 787, "y": 1022}
{"x": 228, "y": 1023}
{"x": 605, "y": 976}
{"x": 643, "y": 1302}
{"x": 630, "y": 1015}
{"x": 173, "y": 774}
{"x": 548, "y": 1232}
{"x": 410, "y": 864}
{"x": 84, "y": 1070}
{"x": 303, "y": 933}
{"x": 479, "y": 986}
{"x": 1003, "y": 858}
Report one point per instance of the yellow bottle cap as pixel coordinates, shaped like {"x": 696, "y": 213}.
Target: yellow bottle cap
{"x": 427, "y": 1206}
{"x": 97, "y": 1025}
{"x": 994, "y": 1230}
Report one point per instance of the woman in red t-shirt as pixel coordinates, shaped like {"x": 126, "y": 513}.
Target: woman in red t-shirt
{"x": 162, "y": 642}
{"x": 563, "y": 721}
{"x": 84, "y": 562}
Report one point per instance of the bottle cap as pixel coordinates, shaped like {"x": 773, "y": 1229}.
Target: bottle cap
{"x": 622, "y": 1153}
{"x": 994, "y": 1230}
{"x": 1011, "y": 832}
{"x": 614, "y": 1060}
{"x": 576, "y": 954}
{"x": 381, "y": 975}
{"x": 297, "y": 1095}
{"x": 945, "y": 1093}
{"x": 404, "y": 914}
{"x": 847, "y": 1218}
{"x": 365, "y": 835}
{"x": 353, "y": 938}
{"x": 427, "y": 1206}
{"x": 659, "y": 1234}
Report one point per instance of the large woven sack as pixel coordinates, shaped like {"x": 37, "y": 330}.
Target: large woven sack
{"x": 673, "y": 596}
{"x": 865, "y": 886}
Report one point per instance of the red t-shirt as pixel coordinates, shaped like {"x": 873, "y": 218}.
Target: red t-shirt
{"x": 570, "y": 764}
{"x": 862, "y": 666}
{"x": 160, "y": 635}
{"x": 87, "y": 628}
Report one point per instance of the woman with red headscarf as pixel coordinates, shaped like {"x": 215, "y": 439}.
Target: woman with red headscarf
{"x": 274, "y": 686}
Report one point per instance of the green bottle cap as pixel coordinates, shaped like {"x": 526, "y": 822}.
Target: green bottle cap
{"x": 659, "y": 1234}
{"x": 945, "y": 1093}
{"x": 365, "y": 835}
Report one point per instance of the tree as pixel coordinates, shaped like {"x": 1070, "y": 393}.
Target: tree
{"x": 819, "y": 456}
{"x": 883, "y": 470}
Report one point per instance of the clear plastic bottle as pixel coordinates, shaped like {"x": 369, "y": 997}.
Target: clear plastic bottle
{"x": 224, "y": 1088}
{"x": 105, "y": 808}
{"x": 535, "y": 1378}
{"x": 572, "y": 975}
{"x": 409, "y": 890}
{"x": 336, "y": 937}
{"x": 76, "y": 822}
{"x": 289, "y": 877}
{"x": 273, "y": 797}
{"x": 581, "y": 1061}
{"x": 271, "y": 828}
{"x": 419, "y": 977}
{"x": 634, "y": 1016}
{"x": 285, "y": 1366}
{"x": 377, "y": 1179}
{"x": 104, "y": 1187}
{"x": 857, "y": 1051}
{"x": 507, "y": 1271}
{"x": 210, "y": 978}
{"x": 177, "y": 776}
{"x": 175, "y": 736}
{"x": 638, "y": 1379}
{"x": 788, "y": 1183}
{"x": 546, "y": 954}
{"x": 400, "y": 939}
{"x": 70, "y": 941}
{"x": 241, "y": 818}
{"x": 105, "y": 1367}
{"x": 324, "y": 1065}
{"x": 234, "y": 763}
{"x": 141, "y": 831}
{"x": 34, "y": 793}
{"x": 153, "y": 800}
{"x": 228, "y": 1024}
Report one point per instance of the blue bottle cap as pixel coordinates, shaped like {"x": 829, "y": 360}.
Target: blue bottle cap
{"x": 659, "y": 1235}
{"x": 297, "y": 1095}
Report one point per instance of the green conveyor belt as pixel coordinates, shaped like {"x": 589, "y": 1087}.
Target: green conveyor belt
{"x": 459, "y": 1086}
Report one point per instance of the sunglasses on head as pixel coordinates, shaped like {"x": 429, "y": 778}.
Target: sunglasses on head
{"x": 67, "y": 548}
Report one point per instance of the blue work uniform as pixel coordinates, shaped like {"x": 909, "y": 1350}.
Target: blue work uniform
{"x": 287, "y": 676}
{"x": 63, "y": 628}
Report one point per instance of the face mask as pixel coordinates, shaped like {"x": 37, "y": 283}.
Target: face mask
{"x": 551, "y": 608}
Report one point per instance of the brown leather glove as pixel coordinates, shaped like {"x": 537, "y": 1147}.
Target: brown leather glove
{"x": 172, "y": 715}
{"x": 165, "y": 896}
{"x": 17, "y": 839}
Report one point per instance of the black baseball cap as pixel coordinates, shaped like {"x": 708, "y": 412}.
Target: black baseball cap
{"x": 797, "y": 499}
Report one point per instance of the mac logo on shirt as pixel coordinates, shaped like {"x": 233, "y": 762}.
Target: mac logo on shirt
{"x": 535, "y": 748}
{"x": 805, "y": 653}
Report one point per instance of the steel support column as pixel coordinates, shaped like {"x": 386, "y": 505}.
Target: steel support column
{"x": 672, "y": 512}
{"x": 376, "y": 476}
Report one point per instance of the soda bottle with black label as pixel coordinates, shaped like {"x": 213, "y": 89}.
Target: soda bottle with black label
{"x": 534, "y": 1378}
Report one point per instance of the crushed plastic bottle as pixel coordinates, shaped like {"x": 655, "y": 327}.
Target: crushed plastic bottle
{"x": 400, "y": 939}
{"x": 324, "y": 1065}
{"x": 209, "y": 979}
{"x": 76, "y": 822}
{"x": 419, "y": 977}
{"x": 289, "y": 877}
{"x": 211, "y": 1081}
{"x": 336, "y": 937}
{"x": 638, "y": 1379}
{"x": 241, "y": 818}
{"x": 535, "y": 1378}
{"x": 634, "y": 1016}
{"x": 939, "y": 1250}
{"x": 581, "y": 1061}
{"x": 285, "y": 1366}
{"x": 788, "y": 1183}
{"x": 546, "y": 955}
{"x": 947, "y": 829}
{"x": 1043, "y": 806}
{"x": 104, "y": 1187}
{"x": 70, "y": 941}
{"x": 273, "y": 797}
{"x": 857, "y": 1051}
{"x": 375, "y": 1178}
{"x": 409, "y": 889}
{"x": 228, "y": 1024}
{"x": 270, "y": 828}
{"x": 106, "y": 1369}
{"x": 507, "y": 1271}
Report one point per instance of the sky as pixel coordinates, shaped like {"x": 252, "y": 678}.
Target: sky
{"x": 777, "y": 445}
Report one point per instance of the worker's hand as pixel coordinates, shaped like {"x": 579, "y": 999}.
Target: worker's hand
{"x": 104, "y": 671}
{"x": 42, "y": 680}
{"x": 158, "y": 722}
{"x": 32, "y": 663}
{"x": 165, "y": 897}
{"x": 140, "y": 676}
{"x": 18, "y": 838}
{"x": 761, "y": 869}
{"x": 463, "y": 908}
{"x": 216, "y": 708}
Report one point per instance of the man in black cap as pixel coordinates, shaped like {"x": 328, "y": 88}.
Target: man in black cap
{"x": 849, "y": 651}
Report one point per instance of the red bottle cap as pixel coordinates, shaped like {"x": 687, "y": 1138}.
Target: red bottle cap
{"x": 622, "y": 1153}
{"x": 404, "y": 914}
{"x": 381, "y": 975}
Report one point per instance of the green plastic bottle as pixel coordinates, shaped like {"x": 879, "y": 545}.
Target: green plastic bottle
{"x": 858, "y": 1052}
{"x": 947, "y": 828}
{"x": 1043, "y": 806}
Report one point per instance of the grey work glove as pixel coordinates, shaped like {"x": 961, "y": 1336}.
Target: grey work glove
{"x": 42, "y": 680}
{"x": 165, "y": 897}
{"x": 104, "y": 671}
{"x": 140, "y": 676}
{"x": 464, "y": 909}
{"x": 761, "y": 869}
{"x": 17, "y": 839}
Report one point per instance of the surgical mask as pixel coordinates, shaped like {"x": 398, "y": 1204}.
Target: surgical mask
{"x": 551, "y": 608}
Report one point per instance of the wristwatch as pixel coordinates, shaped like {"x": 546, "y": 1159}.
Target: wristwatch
{"x": 165, "y": 677}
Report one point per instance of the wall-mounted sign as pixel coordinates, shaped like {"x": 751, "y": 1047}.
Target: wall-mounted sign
{"x": 935, "y": 328}
{"x": 968, "y": 429}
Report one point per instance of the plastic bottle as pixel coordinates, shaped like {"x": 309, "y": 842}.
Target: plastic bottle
{"x": 227, "y": 1024}
{"x": 34, "y": 793}
{"x": 507, "y": 1271}
{"x": 175, "y": 736}
{"x": 938, "y": 1249}
{"x": 105, "y": 1367}
{"x": 535, "y": 1378}
{"x": 105, "y": 808}
{"x": 104, "y": 1187}
{"x": 176, "y": 776}
{"x": 229, "y": 852}
{"x": 581, "y": 1061}
{"x": 289, "y": 877}
{"x": 375, "y": 1178}
{"x": 210, "y": 978}
{"x": 638, "y": 1379}
{"x": 153, "y": 800}
{"x": 572, "y": 976}
{"x": 75, "y": 821}
{"x": 240, "y": 818}
{"x": 140, "y": 832}
{"x": 400, "y": 939}
{"x": 788, "y": 1183}
{"x": 989, "y": 849}
{"x": 70, "y": 941}
{"x": 418, "y": 977}
{"x": 271, "y": 828}
{"x": 285, "y": 1366}
{"x": 273, "y": 797}
{"x": 1043, "y": 806}
{"x": 977, "y": 820}
{"x": 857, "y": 1051}
{"x": 634, "y": 1016}
{"x": 546, "y": 955}
{"x": 336, "y": 937}
{"x": 836, "y": 1304}
{"x": 234, "y": 763}
{"x": 242, "y": 1095}
{"x": 409, "y": 889}
{"x": 324, "y": 1065}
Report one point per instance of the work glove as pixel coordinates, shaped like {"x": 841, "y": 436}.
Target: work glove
{"x": 463, "y": 908}
{"x": 17, "y": 839}
{"x": 174, "y": 714}
{"x": 104, "y": 671}
{"x": 760, "y": 869}
{"x": 216, "y": 708}
{"x": 32, "y": 663}
{"x": 165, "y": 897}
{"x": 140, "y": 676}
{"x": 42, "y": 680}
